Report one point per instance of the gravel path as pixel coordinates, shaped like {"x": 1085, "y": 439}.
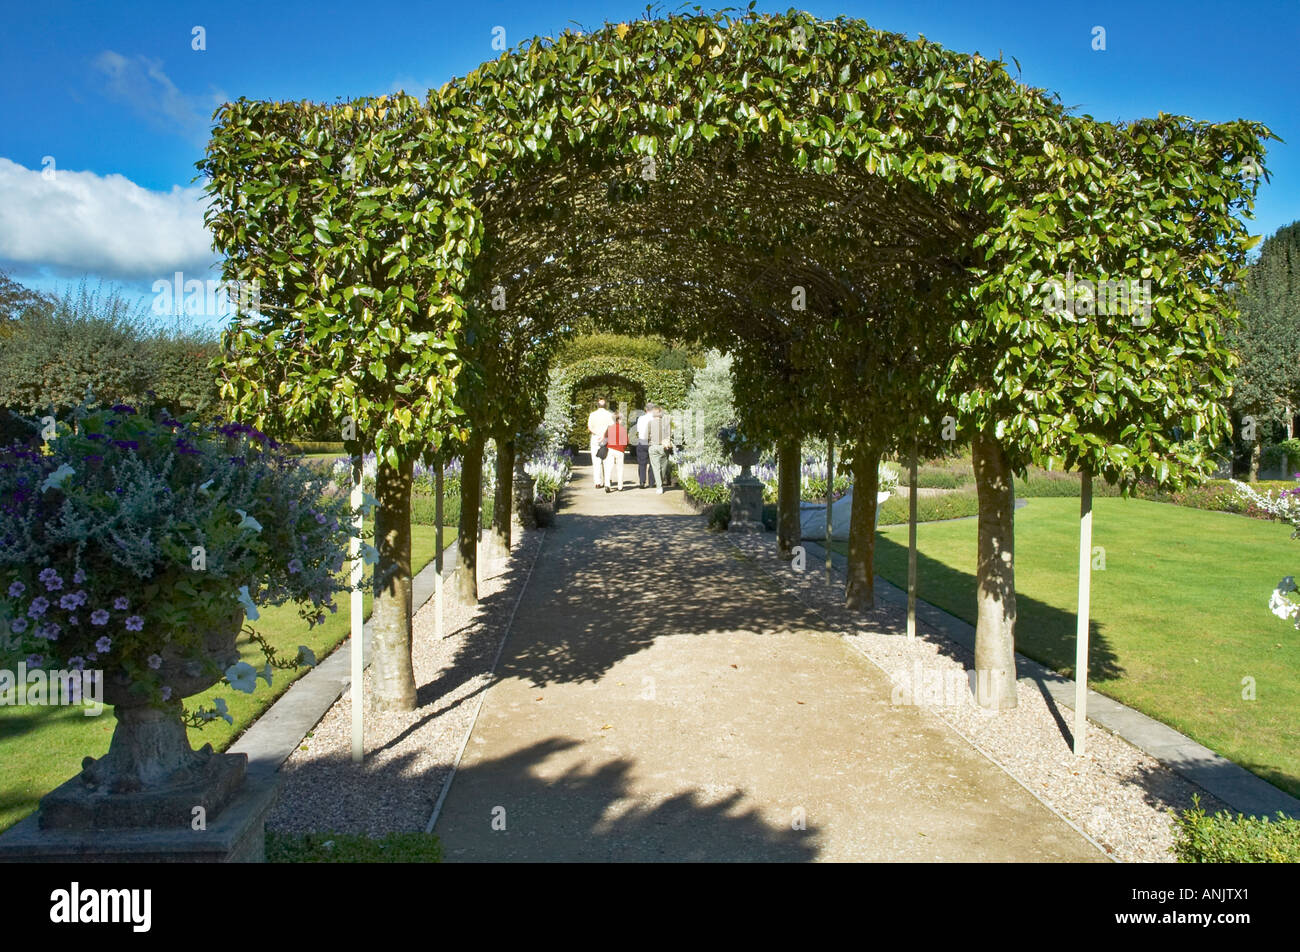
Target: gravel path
{"x": 410, "y": 755}
{"x": 1117, "y": 794}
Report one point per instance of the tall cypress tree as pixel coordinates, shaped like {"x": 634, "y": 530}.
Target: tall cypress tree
{"x": 1268, "y": 381}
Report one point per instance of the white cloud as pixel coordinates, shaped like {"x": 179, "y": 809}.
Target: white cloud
{"x": 80, "y": 222}
{"x": 141, "y": 83}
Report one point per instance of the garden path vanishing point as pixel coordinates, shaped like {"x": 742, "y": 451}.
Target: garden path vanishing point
{"x": 660, "y": 698}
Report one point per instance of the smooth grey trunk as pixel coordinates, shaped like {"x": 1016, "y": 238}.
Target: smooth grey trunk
{"x": 788, "y": 491}
{"x": 390, "y": 616}
{"x": 995, "y": 626}
{"x": 471, "y": 489}
{"x": 504, "y": 495}
{"x": 860, "y": 590}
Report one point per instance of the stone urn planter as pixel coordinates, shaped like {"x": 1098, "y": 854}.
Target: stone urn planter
{"x": 149, "y": 624}
{"x": 746, "y": 494}
{"x": 151, "y": 776}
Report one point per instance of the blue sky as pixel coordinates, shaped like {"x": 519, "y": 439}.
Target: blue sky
{"x": 113, "y": 100}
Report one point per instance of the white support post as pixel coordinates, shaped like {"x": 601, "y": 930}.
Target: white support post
{"x": 437, "y": 558}
{"x": 358, "y": 621}
{"x": 1081, "y": 632}
{"x": 911, "y": 548}
{"x": 830, "y": 490}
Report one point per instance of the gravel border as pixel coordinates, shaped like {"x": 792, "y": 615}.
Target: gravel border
{"x": 410, "y": 755}
{"x": 1117, "y": 795}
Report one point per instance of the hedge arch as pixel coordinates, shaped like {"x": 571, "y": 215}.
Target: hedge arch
{"x": 867, "y": 221}
{"x": 664, "y": 387}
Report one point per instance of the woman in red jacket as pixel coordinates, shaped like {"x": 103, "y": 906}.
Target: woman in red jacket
{"x": 616, "y": 441}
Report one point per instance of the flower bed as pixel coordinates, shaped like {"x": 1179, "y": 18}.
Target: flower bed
{"x": 710, "y": 483}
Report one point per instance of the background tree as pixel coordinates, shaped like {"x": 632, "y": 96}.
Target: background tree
{"x": 1267, "y": 383}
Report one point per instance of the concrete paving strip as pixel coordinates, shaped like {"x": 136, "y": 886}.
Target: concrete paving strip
{"x": 658, "y": 699}
{"x": 1233, "y": 784}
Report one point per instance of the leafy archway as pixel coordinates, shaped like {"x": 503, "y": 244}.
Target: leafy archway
{"x": 867, "y": 222}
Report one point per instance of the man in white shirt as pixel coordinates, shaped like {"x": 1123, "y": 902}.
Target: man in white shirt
{"x": 598, "y": 421}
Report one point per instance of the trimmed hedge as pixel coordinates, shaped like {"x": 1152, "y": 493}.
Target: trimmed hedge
{"x": 309, "y": 446}
{"x": 1224, "y": 838}
{"x": 893, "y": 511}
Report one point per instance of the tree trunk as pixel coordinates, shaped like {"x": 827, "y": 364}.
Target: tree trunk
{"x": 860, "y": 591}
{"x": 504, "y": 497}
{"x": 390, "y": 616}
{"x": 995, "y": 628}
{"x": 471, "y": 488}
{"x": 788, "y": 492}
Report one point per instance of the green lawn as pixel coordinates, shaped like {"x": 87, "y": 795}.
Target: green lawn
{"x": 1179, "y": 615}
{"x": 40, "y": 747}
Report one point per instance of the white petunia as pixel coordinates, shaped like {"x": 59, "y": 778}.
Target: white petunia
{"x": 250, "y": 610}
{"x": 306, "y": 656}
{"x": 242, "y": 677}
{"x": 369, "y": 554}
{"x": 57, "y": 478}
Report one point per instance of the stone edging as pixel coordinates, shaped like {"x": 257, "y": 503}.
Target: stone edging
{"x": 1236, "y": 786}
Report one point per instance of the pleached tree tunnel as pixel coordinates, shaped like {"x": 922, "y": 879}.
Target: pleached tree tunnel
{"x": 867, "y": 223}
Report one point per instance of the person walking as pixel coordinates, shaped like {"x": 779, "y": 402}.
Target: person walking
{"x": 659, "y": 436}
{"x": 598, "y": 422}
{"x": 615, "y": 446}
{"x": 643, "y": 447}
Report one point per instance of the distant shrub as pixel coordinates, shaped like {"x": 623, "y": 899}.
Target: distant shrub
{"x": 352, "y": 848}
{"x": 894, "y": 511}
{"x": 1224, "y": 838}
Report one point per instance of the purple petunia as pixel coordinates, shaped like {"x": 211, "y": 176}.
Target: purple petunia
{"x": 104, "y": 645}
{"x": 123, "y": 408}
{"x": 35, "y": 660}
{"x": 77, "y": 663}
{"x": 49, "y": 632}
{"x": 134, "y": 623}
{"x": 295, "y": 566}
{"x": 99, "y": 617}
{"x": 72, "y": 620}
{"x": 121, "y": 604}
{"x": 51, "y": 580}
{"x": 37, "y": 608}
{"x": 16, "y": 589}
{"x": 18, "y": 626}
{"x": 166, "y": 693}
{"x": 78, "y": 577}
{"x": 69, "y": 602}
{"x": 155, "y": 661}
